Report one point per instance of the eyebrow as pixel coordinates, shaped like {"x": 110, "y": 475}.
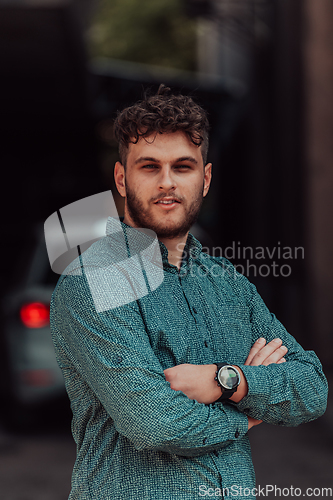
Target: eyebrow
{"x": 178, "y": 160}
{"x": 145, "y": 158}
{"x": 186, "y": 158}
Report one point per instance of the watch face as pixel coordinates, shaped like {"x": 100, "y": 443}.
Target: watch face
{"x": 228, "y": 377}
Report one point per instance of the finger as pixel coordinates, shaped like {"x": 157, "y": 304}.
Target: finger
{"x": 259, "y": 344}
{"x": 276, "y": 356}
{"x": 260, "y": 357}
{"x": 283, "y": 360}
{"x": 169, "y": 374}
{"x": 252, "y": 422}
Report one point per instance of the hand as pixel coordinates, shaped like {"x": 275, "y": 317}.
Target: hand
{"x": 196, "y": 381}
{"x": 252, "y": 422}
{"x": 262, "y": 354}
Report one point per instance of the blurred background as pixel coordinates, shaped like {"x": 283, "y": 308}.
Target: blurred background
{"x": 263, "y": 70}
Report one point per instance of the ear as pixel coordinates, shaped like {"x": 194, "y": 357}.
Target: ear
{"x": 119, "y": 178}
{"x": 207, "y": 178}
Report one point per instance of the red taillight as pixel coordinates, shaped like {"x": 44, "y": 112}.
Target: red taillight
{"x": 37, "y": 378}
{"x": 35, "y": 315}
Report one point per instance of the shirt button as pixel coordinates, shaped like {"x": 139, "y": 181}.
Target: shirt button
{"x": 194, "y": 310}
{"x": 119, "y": 359}
{"x": 204, "y": 440}
{"x": 236, "y": 434}
{"x": 206, "y": 343}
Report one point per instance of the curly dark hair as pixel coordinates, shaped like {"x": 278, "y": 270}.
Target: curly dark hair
{"x": 161, "y": 113}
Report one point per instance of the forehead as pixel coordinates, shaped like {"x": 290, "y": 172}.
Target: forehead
{"x": 165, "y": 147}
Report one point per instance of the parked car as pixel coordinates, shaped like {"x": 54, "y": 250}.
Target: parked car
{"x": 34, "y": 380}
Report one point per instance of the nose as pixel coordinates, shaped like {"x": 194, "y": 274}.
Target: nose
{"x": 167, "y": 180}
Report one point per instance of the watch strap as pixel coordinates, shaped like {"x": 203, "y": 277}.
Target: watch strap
{"x": 226, "y": 393}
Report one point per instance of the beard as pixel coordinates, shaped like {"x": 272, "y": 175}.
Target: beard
{"x": 143, "y": 218}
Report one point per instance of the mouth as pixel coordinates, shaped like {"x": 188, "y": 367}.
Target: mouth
{"x": 167, "y": 202}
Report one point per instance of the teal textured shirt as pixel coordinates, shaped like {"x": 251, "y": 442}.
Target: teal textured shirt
{"x": 136, "y": 437}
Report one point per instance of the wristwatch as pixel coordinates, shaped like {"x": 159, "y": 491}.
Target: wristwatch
{"x": 228, "y": 378}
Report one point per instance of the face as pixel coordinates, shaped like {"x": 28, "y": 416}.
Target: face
{"x": 164, "y": 184}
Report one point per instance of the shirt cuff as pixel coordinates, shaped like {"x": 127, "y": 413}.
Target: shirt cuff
{"x": 258, "y": 380}
{"x": 237, "y": 422}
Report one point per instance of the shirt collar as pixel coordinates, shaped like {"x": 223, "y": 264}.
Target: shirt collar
{"x": 191, "y": 252}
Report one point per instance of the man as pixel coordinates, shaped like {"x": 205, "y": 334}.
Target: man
{"x": 165, "y": 385}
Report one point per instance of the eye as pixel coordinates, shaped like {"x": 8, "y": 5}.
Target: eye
{"x": 182, "y": 167}
{"x": 150, "y": 166}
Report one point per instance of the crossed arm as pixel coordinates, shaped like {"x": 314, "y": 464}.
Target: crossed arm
{"x": 115, "y": 365}
{"x": 197, "y": 381}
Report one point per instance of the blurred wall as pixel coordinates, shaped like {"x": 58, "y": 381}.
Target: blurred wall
{"x": 318, "y": 75}
{"x": 47, "y": 139}
{"x": 276, "y": 175}
{"x": 272, "y": 174}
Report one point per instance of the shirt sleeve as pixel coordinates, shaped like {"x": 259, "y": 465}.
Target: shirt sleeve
{"x": 111, "y": 351}
{"x": 289, "y": 393}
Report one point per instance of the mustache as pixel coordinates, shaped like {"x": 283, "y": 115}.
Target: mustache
{"x": 165, "y": 195}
